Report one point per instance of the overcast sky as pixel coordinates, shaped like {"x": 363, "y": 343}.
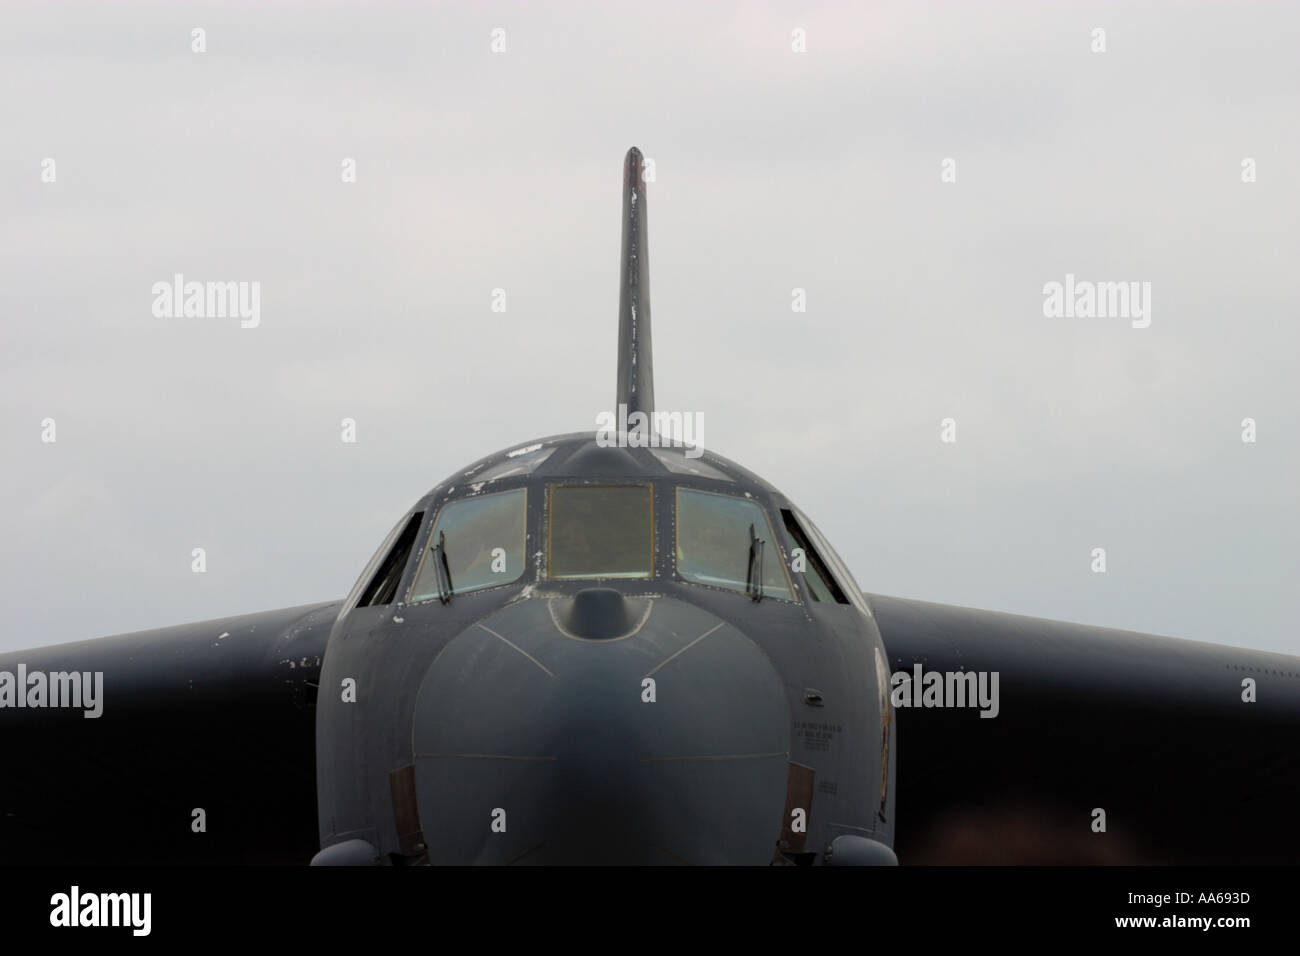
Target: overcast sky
{"x": 774, "y": 170}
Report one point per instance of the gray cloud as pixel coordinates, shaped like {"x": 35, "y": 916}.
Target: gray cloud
{"x": 774, "y": 171}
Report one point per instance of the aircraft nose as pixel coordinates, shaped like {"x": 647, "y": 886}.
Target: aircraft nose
{"x": 600, "y": 728}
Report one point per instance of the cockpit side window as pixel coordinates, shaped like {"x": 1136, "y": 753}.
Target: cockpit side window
{"x": 382, "y": 587}
{"x": 727, "y": 542}
{"x": 601, "y": 531}
{"x": 475, "y": 543}
{"x": 821, "y": 583}
{"x": 838, "y": 570}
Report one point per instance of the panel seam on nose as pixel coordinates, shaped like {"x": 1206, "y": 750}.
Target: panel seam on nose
{"x": 687, "y": 647}
{"x": 516, "y": 647}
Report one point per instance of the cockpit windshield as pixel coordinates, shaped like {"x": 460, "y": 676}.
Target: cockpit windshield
{"x": 476, "y": 543}
{"x": 728, "y": 542}
{"x": 596, "y": 531}
{"x": 601, "y": 531}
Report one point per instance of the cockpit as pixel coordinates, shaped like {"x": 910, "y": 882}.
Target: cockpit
{"x": 679, "y": 519}
{"x": 599, "y": 532}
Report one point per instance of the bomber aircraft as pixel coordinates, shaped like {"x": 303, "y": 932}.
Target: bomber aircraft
{"x": 618, "y": 648}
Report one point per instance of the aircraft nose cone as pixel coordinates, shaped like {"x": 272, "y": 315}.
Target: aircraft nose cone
{"x": 595, "y": 730}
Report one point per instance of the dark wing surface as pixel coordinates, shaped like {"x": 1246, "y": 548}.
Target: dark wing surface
{"x": 217, "y": 717}
{"x": 1151, "y": 730}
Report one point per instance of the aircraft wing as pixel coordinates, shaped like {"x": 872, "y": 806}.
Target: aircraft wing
{"x": 220, "y": 716}
{"x": 1153, "y": 731}
{"x": 217, "y": 716}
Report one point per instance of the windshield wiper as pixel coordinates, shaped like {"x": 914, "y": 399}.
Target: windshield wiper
{"x": 754, "y": 569}
{"x": 441, "y": 571}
